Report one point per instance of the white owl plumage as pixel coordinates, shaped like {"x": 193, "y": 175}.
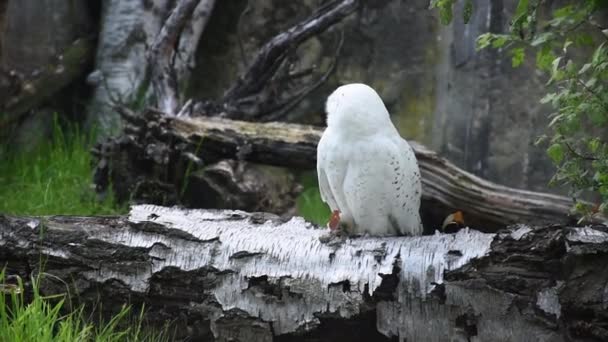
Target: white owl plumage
{"x": 365, "y": 169}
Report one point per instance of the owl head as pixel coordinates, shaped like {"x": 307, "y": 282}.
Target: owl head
{"x": 357, "y": 108}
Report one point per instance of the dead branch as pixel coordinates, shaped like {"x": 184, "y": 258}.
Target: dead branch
{"x": 189, "y": 39}
{"x": 248, "y": 97}
{"x": 155, "y": 147}
{"x": 161, "y": 53}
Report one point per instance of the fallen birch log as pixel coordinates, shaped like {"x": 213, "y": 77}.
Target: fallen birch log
{"x": 159, "y": 150}
{"x": 231, "y": 275}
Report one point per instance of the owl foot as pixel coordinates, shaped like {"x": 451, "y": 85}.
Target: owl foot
{"x": 334, "y": 220}
{"x": 453, "y": 223}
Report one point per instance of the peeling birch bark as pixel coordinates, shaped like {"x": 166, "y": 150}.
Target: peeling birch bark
{"x": 127, "y": 28}
{"x": 122, "y": 69}
{"x": 161, "y": 55}
{"x": 189, "y": 39}
{"x": 252, "y": 277}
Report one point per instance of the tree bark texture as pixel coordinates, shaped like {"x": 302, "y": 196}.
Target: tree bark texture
{"x": 124, "y": 73}
{"x": 161, "y": 152}
{"x": 231, "y": 275}
{"x": 185, "y": 17}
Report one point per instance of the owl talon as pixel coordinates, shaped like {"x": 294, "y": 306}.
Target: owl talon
{"x": 334, "y": 220}
{"x": 453, "y": 222}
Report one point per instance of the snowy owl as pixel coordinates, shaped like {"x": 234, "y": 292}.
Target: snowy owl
{"x": 368, "y": 174}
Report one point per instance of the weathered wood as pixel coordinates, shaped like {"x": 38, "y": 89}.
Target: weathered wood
{"x": 230, "y": 275}
{"x": 173, "y": 142}
{"x": 162, "y": 53}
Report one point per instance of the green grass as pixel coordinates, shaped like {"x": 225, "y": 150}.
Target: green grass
{"x": 309, "y": 203}
{"x": 53, "y": 179}
{"x": 43, "y": 320}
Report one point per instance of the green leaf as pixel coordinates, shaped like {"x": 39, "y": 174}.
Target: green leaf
{"x": 499, "y": 41}
{"x": 563, "y": 11}
{"x": 584, "y": 68}
{"x": 556, "y": 153}
{"x": 548, "y": 98}
{"x": 518, "y": 55}
{"x": 594, "y": 144}
{"x": 555, "y": 63}
{"x": 541, "y": 139}
{"x": 599, "y": 54}
{"x": 542, "y": 38}
{"x": 483, "y": 41}
{"x": 520, "y": 16}
{"x": 556, "y": 73}
{"x": 495, "y": 40}
{"x": 591, "y": 82}
{"x": 467, "y": 11}
{"x": 522, "y": 9}
{"x": 583, "y": 39}
{"x": 544, "y": 57}
{"x": 556, "y": 119}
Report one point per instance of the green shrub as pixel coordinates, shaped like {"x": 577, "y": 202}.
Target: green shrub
{"x": 571, "y": 47}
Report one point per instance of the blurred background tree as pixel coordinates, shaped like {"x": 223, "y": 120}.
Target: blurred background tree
{"x": 569, "y": 43}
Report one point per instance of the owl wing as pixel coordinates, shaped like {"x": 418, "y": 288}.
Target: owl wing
{"x": 407, "y": 191}
{"x": 324, "y": 151}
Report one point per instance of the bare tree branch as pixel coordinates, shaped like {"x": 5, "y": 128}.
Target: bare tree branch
{"x": 293, "y": 99}
{"x": 160, "y": 55}
{"x": 189, "y": 39}
{"x": 272, "y": 55}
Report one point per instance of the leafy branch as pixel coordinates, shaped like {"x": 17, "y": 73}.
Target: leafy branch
{"x": 571, "y": 49}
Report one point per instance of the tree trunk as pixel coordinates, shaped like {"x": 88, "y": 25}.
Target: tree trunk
{"x": 163, "y": 151}
{"x": 230, "y": 275}
{"x": 122, "y": 74}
